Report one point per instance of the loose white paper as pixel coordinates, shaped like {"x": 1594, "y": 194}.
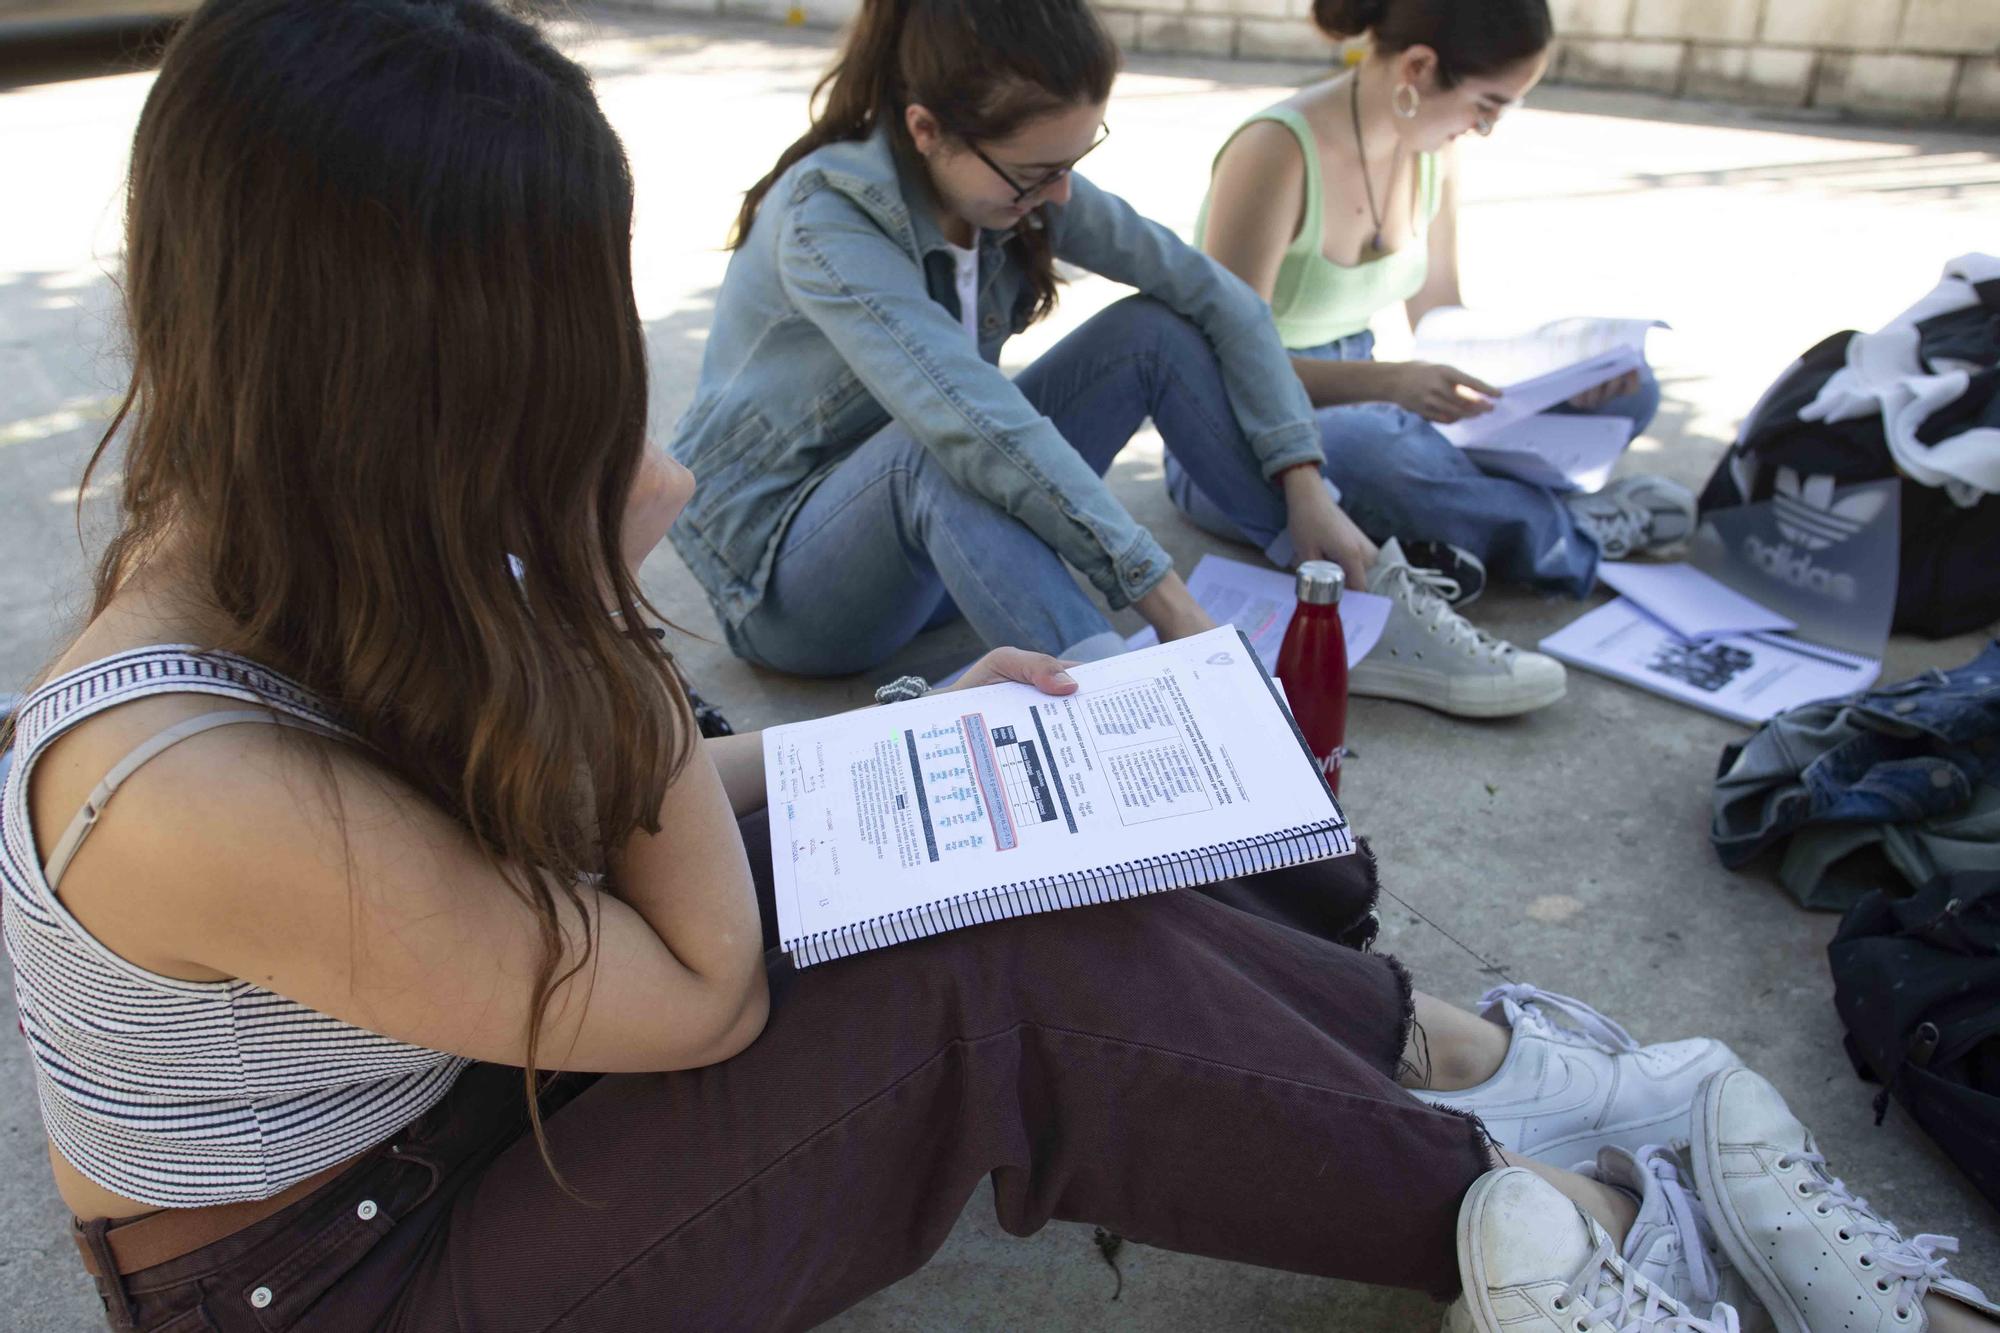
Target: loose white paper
{"x": 1556, "y": 450}
{"x": 1748, "y": 678}
{"x": 1499, "y": 348}
{"x": 1689, "y": 602}
{"x": 1525, "y": 398}
{"x": 1260, "y": 602}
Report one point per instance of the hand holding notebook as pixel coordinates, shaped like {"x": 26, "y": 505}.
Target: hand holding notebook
{"x": 1170, "y": 767}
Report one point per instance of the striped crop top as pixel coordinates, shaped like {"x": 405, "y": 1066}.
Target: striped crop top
{"x": 183, "y": 1093}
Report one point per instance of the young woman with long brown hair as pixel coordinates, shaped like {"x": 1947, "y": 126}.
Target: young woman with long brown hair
{"x": 367, "y": 798}
{"x": 867, "y": 471}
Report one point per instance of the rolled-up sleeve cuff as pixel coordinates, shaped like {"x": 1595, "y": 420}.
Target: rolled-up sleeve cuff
{"x": 1288, "y": 446}
{"x": 1136, "y": 572}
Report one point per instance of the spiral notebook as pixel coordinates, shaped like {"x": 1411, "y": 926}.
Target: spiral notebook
{"x": 1169, "y": 767}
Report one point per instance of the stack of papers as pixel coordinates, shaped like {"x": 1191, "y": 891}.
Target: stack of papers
{"x": 1521, "y": 438}
{"x": 1681, "y": 633}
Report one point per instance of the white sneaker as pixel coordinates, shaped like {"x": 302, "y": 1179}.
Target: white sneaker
{"x": 1817, "y": 1256}
{"x": 1431, "y": 655}
{"x": 1672, "y": 1244}
{"x": 1574, "y": 1082}
{"x": 1531, "y": 1261}
{"x": 1635, "y": 514}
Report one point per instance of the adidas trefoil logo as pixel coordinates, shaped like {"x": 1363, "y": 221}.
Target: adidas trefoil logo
{"x": 1809, "y": 515}
{"x": 1811, "y": 520}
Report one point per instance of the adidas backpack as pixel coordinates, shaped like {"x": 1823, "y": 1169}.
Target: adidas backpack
{"x": 1948, "y": 581}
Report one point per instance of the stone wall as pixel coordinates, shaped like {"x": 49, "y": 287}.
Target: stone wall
{"x": 1930, "y": 59}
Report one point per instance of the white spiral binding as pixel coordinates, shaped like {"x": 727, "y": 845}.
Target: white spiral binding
{"x": 1048, "y": 893}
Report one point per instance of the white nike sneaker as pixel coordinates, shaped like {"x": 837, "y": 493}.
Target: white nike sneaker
{"x": 1671, "y": 1243}
{"x": 1531, "y": 1261}
{"x": 1431, "y": 655}
{"x": 1634, "y": 515}
{"x": 1574, "y": 1082}
{"x": 1817, "y": 1256}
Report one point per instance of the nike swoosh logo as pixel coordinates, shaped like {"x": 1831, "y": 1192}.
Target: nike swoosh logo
{"x": 1544, "y": 1104}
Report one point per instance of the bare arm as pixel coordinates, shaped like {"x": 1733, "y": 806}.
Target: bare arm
{"x": 1441, "y": 283}
{"x": 235, "y": 854}
{"x": 1332, "y": 383}
{"x": 739, "y": 760}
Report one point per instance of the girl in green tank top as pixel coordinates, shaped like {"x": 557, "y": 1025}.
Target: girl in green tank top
{"x": 1341, "y": 202}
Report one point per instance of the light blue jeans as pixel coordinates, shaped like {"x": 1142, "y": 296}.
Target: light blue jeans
{"x": 890, "y": 545}
{"x": 1398, "y": 477}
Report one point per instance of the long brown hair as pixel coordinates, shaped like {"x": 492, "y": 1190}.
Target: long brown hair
{"x": 389, "y": 383}
{"x": 984, "y": 68}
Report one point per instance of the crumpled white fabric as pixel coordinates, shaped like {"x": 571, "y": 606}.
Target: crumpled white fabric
{"x": 1883, "y": 374}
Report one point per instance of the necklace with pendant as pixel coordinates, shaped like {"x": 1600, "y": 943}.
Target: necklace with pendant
{"x": 1361, "y": 151}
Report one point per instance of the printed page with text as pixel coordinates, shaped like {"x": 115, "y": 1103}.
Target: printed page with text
{"x": 1172, "y": 752}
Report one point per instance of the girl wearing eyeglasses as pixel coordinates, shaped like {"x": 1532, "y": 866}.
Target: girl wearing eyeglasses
{"x": 1342, "y": 201}
{"x": 866, "y": 471}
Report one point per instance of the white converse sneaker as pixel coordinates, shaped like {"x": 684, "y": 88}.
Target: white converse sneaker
{"x": 1531, "y": 1261}
{"x": 1574, "y": 1082}
{"x": 1671, "y": 1243}
{"x": 1429, "y": 654}
{"x": 1817, "y": 1256}
{"x": 1635, "y": 514}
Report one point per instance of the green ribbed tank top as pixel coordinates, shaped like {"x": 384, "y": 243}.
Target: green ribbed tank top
{"x": 1315, "y": 300}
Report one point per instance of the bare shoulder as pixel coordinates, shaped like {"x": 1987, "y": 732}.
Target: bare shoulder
{"x": 234, "y": 824}
{"x": 1265, "y": 154}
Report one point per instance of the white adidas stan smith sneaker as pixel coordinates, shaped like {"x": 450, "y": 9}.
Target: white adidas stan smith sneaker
{"x": 1531, "y": 1261}
{"x": 1574, "y": 1081}
{"x": 1820, "y": 1259}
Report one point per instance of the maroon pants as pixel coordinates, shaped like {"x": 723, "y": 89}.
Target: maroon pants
{"x": 1210, "y": 1071}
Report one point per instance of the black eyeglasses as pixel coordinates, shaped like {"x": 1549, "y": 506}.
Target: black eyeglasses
{"x": 1023, "y": 191}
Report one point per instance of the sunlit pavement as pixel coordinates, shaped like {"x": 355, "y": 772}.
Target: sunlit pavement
{"x": 1567, "y": 847}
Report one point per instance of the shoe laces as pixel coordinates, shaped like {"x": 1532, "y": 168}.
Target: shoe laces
{"x": 1691, "y": 1235}
{"x": 1607, "y": 1290}
{"x": 1620, "y": 523}
{"x": 1427, "y": 595}
{"x": 1910, "y": 1268}
{"x": 1549, "y": 1012}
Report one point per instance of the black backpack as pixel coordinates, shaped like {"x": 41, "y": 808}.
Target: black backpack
{"x": 1917, "y": 983}
{"x": 1949, "y": 578}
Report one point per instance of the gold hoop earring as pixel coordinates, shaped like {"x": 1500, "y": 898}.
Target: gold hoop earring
{"x": 1396, "y": 103}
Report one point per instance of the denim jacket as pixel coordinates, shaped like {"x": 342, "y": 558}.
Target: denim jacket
{"x": 1910, "y": 771}
{"x": 840, "y": 312}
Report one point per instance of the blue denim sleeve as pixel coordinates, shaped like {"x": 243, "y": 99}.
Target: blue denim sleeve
{"x": 858, "y": 286}
{"x": 1101, "y": 232}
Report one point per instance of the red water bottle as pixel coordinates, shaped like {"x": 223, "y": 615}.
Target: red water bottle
{"x": 1313, "y": 665}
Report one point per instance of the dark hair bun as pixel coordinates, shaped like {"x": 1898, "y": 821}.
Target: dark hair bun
{"x": 1348, "y": 18}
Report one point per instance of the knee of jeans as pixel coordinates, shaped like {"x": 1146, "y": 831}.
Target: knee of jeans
{"x": 1144, "y": 320}
{"x": 1363, "y": 443}
{"x": 772, "y": 648}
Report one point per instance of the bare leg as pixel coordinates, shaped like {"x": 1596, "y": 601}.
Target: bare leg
{"x": 1450, "y": 1049}
{"x": 1613, "y": 1209}
{"x": 1948, "y": 1316}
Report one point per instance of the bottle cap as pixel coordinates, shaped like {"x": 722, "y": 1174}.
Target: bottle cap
{"x": 1320, "y": 583}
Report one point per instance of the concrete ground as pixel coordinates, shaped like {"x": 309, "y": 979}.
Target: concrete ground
{"x": 1567, "y": 848}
